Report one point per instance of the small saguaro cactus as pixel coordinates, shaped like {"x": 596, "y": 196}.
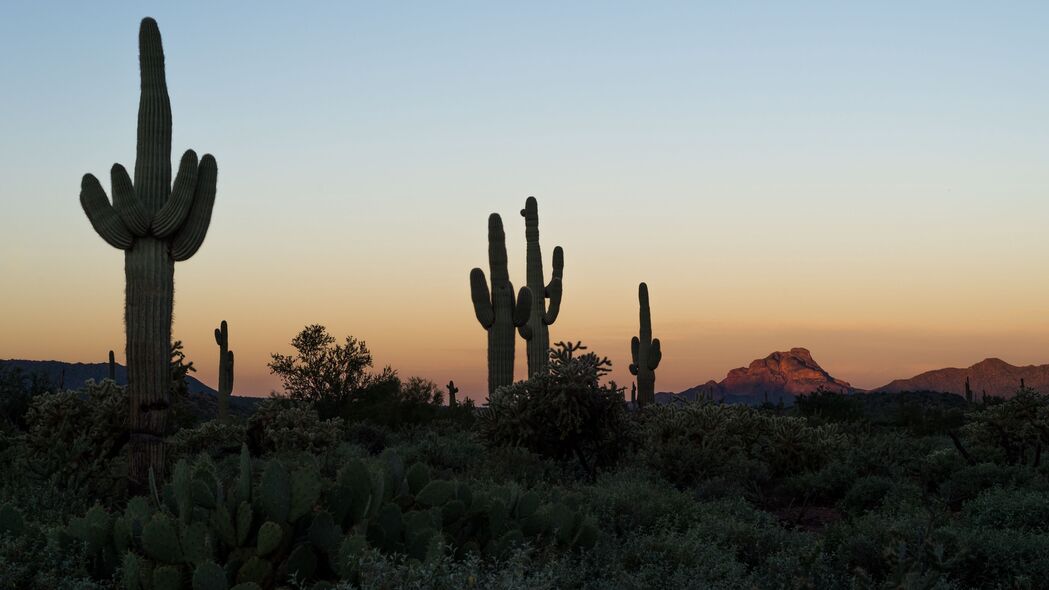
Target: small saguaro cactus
{"x": 225, "y": 369}
{"x": 112, "y": 367}
{"x": 968, "y": 391}
{"x": 156, "y": 224}
{"x": 496, "y": 310}
{"x": 645, "y": 352}
{"x": 452, "y": 390}
{"x": 537, "y": 331}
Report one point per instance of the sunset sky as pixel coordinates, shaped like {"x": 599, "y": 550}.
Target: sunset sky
{"x": 870, "y": 182}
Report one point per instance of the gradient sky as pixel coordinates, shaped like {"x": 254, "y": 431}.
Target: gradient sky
{"x": 868, "y": 181}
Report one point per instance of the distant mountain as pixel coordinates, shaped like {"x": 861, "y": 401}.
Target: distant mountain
{"x": 73, "y": 375}
{"x": 992, "y": 375}
{"x": 779, "y": 376}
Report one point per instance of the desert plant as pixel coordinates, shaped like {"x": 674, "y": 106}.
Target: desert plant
{"x": 325, "y": 374}
{"x": 645, "y": 352}
{"x": 225, "y": 369}
{"x": 156, "y": 224}
{"x": 293, "y": 523}
{"x": 537, "y": 331}
{"x": 496, "y": 310}
{"x": 564, "y": 414}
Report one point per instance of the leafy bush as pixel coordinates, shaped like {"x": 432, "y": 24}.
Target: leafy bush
{"x": 326, "y": 374}
{"x": 565, "y": 414}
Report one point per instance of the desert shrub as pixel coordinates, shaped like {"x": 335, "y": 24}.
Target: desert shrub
{"x": 285, "y": 425}
{"x": 75, "y": 439}
{"x": 451, "y": 452}
{"x": 866, "y": 494}
{"x": 1020, "y": 510}
{"x": 567, "y": 414}
{"x": 17, "y": 391}
{"x": 326, "y": 374}
{"x": 371, "y": 437}
{"x": 29, "y": 559}
{"x": 969, "y": 482}
{"x": 696, "y": 441}
{"x": 829, "y": 406}
{"x": 517, "y": 464}
{"x": 629, "y": 500}
{"x": 1000, "y": 558}
{"x": 1015, "y": 431}
{"x": 217, "y": 437}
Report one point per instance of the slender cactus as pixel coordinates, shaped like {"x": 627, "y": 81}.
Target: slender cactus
{"x": 112, "y": 367}
{"x": 537, "y": 331}
{"x": 645, "y": 352}
{"x": 496, "y": 310}
{"x": 225, "y": 369}
{"x": 156, "y": 224}
{"x": 452, "y": 390}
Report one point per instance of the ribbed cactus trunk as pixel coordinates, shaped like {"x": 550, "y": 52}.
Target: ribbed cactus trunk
{"x": 156, "y": 224}
{"x": 150, "y": 275}
{"x": 645, "y": 352}
{"x": 225, "y": 369}
{"x": 537, "y": 331}
{"x": 496, "y": 310}
{"x": 112, "y": 366}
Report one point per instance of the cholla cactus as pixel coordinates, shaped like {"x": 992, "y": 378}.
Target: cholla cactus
{"x": 496, "y": 310}
{"x": 225, "y": 369}
{"x": 156, "y": 224}
{"x": 537, "y": 331}
{"x": 645, "y": 353}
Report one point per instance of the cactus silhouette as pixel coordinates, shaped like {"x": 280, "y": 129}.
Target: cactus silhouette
{"x": 645, "y": 352}
{"x": 112, "y": 367}
{"x": 225, "y": 369}
{"x": 496, "y": 310}
{"x": 156, "y": 224}
{"x": 537, "y": 331}
{"x": 452, "y": 390}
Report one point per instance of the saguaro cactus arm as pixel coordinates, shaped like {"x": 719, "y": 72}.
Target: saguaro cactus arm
{"x": 190, "y": 236}
{"x": 553, "y": 288}
{"x": 103, "y": 217}
{"x": 131, "y": 210}
{"x": 523, "y": 309}
{"x": 635, "y": 347}
{"x": 171, "y": 216}
{"x": 482, "y": 298}
{"x": 655, "y": 354}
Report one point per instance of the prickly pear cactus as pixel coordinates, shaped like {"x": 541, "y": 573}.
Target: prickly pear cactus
{"x": 225, "y": 369}
{"x": 156, "y": 224}
{"x": 645, "y": 352}
{"x": 537, "y": 331}
{"x": 495, "y": 310}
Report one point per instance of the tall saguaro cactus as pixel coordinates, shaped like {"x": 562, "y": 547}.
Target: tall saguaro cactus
{"x": 537, "y": 332}
{"x": 112, "y": 366}
{"x": 156, "y": 224}
{"x": 225, "y": 369}
{"x": 496, "y": 310}
{"x": 645, "y": 352}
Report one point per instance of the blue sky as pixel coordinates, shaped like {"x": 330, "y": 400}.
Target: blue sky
{"x": 859, "y": 168}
